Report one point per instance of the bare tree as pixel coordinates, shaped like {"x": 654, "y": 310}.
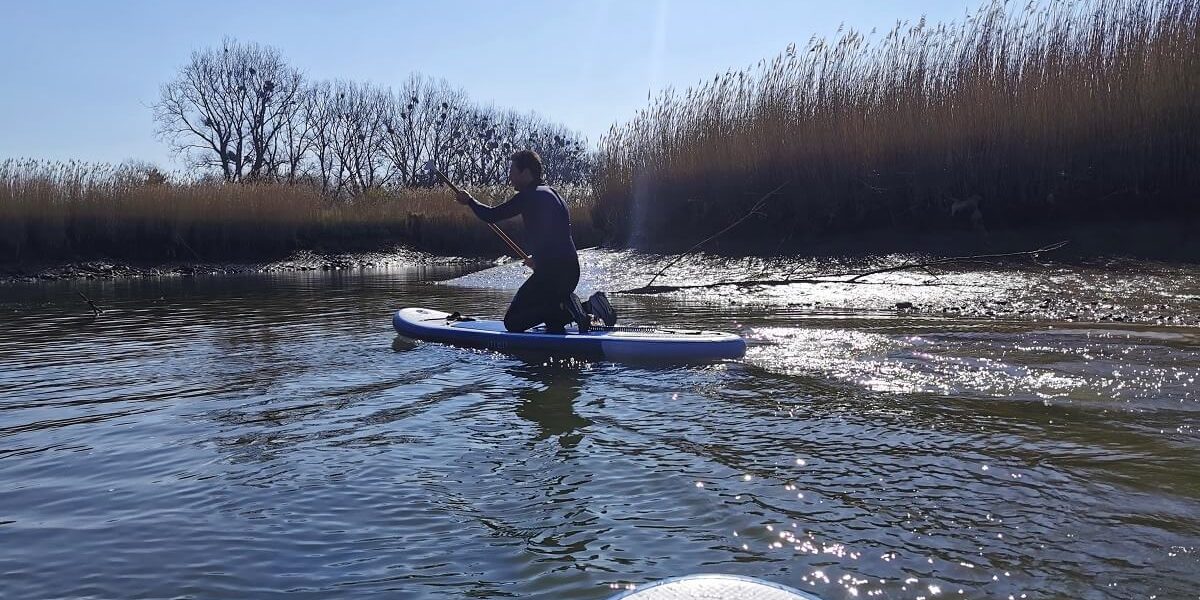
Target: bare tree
{"x": 358, "y": 133}
{"x": 272, "y": 90}
{"x": 564, "y": 152}
{"x": 227, "y": 107}
{"x": 320, "y": 110}
{"x": 422, "y": 125}
{"x": 294, "y": 142}
{"x": 491, "y": 136}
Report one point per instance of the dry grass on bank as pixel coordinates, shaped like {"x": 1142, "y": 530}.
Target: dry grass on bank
{"x": 1061, "y": 112}
{"x": 68, "y": 210}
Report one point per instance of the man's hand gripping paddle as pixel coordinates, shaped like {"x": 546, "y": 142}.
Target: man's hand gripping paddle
{"x": 503, "y": 236}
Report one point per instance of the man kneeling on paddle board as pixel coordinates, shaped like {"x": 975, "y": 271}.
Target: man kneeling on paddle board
{"x": 548, "y": 296}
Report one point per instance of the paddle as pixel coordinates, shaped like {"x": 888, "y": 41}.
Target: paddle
{"x": 450, "y": 184}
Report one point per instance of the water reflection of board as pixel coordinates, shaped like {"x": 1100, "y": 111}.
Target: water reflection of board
{"x": 713, "y": 587}
{"x": 616, "y": 344}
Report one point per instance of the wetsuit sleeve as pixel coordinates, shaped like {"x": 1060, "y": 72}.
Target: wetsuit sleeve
{"x": 491, "y": 214}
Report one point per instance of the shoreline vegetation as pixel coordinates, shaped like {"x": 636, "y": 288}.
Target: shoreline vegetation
{"x": 1003, "y": 131}
{"x": 71, "y": 211}
{"x": 1061, "y": 113}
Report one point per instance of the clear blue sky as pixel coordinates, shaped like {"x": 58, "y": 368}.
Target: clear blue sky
{"x": 79, "y": 76}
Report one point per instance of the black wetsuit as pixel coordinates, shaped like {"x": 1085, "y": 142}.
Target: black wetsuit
{"x": 548, "y": 231}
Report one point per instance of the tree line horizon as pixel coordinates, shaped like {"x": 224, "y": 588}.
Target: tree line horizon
{"x": 241, "y": 112}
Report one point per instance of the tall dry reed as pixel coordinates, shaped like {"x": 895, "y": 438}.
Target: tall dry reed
{"x": 1054, "y": 113}
{"x": 74, "y": 210}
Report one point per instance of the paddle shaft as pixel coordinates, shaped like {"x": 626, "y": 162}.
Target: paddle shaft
{"x": 507, "y": 240}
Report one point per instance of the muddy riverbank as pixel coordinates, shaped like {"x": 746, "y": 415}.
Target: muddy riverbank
{"x": 304, "y": 260}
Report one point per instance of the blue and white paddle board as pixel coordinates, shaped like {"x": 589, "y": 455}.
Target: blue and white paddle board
{"x": 627, "y": 344}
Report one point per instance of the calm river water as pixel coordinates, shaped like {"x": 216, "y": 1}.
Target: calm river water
{"x": 1027, "y": 433}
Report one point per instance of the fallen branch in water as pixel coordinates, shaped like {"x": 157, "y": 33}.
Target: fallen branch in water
{"x": 854, "y": 277}
{"x": 753, "y": 211}
{"x": 954, "y": 259}
{"x": 96, "y": 310}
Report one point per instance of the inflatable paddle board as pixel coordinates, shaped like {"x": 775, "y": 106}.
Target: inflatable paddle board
{"x": 628, "y": 344}
{"x": 713, "y": 587}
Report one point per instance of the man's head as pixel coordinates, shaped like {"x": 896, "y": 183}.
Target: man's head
{"x": 525, "y": 169}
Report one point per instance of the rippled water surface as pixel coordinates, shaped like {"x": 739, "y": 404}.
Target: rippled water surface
{"x": 1021, "y": 432}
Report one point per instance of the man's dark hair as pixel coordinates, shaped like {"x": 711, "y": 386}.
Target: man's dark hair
{"x": 528, "y": 160}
